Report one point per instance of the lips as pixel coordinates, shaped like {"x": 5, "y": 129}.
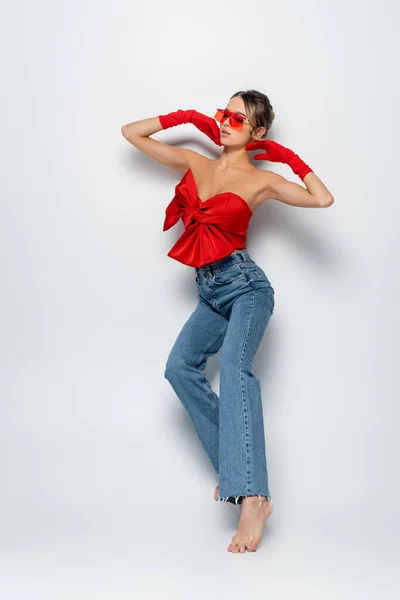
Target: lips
{"x": 225, "y": 131}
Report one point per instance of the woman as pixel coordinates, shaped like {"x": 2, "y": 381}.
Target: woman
{"x": 216, "y": 200}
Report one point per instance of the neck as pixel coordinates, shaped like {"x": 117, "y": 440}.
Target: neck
{"x": 234, "y": 158}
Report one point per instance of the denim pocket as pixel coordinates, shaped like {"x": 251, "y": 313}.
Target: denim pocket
{"x": 259, "y": 273}
{"x": 256, "y": 277}
{"x": 228, "y": 275}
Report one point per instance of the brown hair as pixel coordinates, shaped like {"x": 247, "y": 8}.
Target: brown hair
{"x": 259, "y": 109}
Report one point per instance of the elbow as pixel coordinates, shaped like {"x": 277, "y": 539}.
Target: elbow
{"x": 128, "y": 134}
{"x": 127, "y": 131}
{"x": 327, "y": 202}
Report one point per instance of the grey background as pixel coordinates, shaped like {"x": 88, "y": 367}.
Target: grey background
{"x": 106, "y": 491}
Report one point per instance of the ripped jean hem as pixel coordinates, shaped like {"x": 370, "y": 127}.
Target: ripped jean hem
{"x": 239, "y": 499}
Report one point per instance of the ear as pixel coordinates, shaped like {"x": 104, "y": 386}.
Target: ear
{"x": 258, "y": 133}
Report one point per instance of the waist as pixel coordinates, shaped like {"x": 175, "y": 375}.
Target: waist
{"x": 237, "y": 256}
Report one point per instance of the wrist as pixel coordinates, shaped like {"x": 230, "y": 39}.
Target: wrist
{"x": 178, "y": 117}
{"x": 298, "y": 166}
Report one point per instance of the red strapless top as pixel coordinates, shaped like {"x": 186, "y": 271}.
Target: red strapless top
{"x": 214, "y": 228}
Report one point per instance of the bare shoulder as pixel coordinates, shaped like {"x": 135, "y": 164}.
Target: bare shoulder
{"x": 263, "y": 182}
{"x": 268, "y": 182}
{"x": 193, "y": 160}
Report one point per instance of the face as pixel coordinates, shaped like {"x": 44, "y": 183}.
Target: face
{"x": 237, "y": 132}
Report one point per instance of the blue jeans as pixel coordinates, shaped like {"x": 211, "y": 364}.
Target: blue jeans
{"x": 236, "y": 301}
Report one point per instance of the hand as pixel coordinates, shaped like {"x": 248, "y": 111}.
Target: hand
{"x": 205, "y": 124}
{"x": 274, "y": 152}
{"x": 277, "y": 153}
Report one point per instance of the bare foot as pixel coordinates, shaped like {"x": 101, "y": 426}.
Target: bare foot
{"x": 216, "y": 492}
{"x": 251, "y": 524}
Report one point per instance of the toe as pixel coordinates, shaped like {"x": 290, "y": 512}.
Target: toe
{"x": 249, "y": 546}
{"x": 216, "y": 492}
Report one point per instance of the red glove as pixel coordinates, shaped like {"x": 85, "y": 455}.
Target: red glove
{"x": 205, "y": 124}
{"x": 277, "y": 153}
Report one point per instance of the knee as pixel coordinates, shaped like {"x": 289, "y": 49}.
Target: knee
{"x": 232, "y": 363}
{"x": 229, "y": 361}
{"x": 173, "y": 368}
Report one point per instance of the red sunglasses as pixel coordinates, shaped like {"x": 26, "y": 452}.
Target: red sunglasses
{"x": 235, "y": 120}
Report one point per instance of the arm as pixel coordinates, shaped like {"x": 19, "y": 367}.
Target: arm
{"x": 138, "y": 134}
{"x": 316, "y": 194}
